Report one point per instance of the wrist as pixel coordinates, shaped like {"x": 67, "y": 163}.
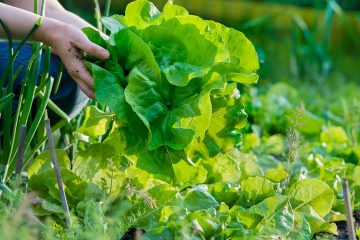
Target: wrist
{"x": 48, "y": 30}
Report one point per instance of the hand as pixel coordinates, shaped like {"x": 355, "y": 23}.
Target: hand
{"x": 71, "y": 44}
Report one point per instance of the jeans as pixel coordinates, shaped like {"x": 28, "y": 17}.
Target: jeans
{"x": 68, "y": 97}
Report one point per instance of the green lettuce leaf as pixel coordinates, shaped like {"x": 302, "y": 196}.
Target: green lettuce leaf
{"x": 311, "y": 192}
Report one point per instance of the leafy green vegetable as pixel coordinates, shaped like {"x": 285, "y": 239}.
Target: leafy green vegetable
{"x": 197, "y": 199}
{"x": 312, "y": 193}
{"x": 255, "y": 190}
{"x": 168, "y": 82}
{"x": 276, "y": 216}
{"x": 96, "y": 122}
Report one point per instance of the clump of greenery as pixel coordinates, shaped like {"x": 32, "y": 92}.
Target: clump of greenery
{"x": 171, "y": 81}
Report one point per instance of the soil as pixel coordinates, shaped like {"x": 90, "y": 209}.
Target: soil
{"x": 343, "y": 232}
{"x": 342, "y": 229}
{"x": 133, "y": 234}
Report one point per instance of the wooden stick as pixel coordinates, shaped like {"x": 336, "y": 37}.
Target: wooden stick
{"x": 20, "y": 155}
{"x": 349, "y": 212}
{"x": 57, "y": 173}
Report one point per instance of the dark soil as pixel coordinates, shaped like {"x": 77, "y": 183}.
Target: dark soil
{"x": 342, "y": 229}
{"x": 133, "y": 234}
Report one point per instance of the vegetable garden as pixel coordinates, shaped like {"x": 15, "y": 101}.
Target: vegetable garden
{"x": 182, "y": 142}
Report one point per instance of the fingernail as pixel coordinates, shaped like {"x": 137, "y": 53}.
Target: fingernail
{"x": 106, "y": 53}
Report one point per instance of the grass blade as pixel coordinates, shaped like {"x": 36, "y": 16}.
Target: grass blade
{"x": 107, "y": 8}
{"x": 20, "y": 155}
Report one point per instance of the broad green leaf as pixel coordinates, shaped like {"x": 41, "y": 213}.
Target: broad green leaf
{"x": 99, "y": 165}
{"x": 94, "y": 36}
{"x": 164, "y": 163}
{"x": 334, "y": 135}
{"x": 172, "y": 213}
{"x": 248, "y": 219}
{"x": 228, "y": 117}
{"x": 206, "y": 222}
{"x": 96, "y": 122}
{"x": 312, "y": 123}
{"x": 140, "y": 13}
{"x": 146, "y": 101}
{"x": 187, "y": 173}
{"x": 112, "y": 24}
{"x": 180, "y": 59}
{"x": 249, "y": 168}
{"x": 237, "y": 231}
{"x": 167, "y": 197}
{"x": 356, "y": 189}
{"x": 276, "y": 175}
{"x": 301, "y": 228}
{"x": 43, "y": 163}
{"x": 158, "y": 162}
{"x": 197, "y": 199}
{"x": 51, "y": 207}
{"x": 132, "y": 52}
{"x": 174, "y": 122}
{"x": 110, "y": 92}
{"x": 277, "y": 216}
{"x": 223, "y": 167}
{"x": 242, "y": 52}
{"x": 254, "y": 190}
{"x": 170, "y": 10}
{"x": 209, "y": 40}
{"x": 311, "y": 192}
{"x": 45, "y": 184}
{"x": 318, "y": 224}
{"x": 224, "y": 192}
{"x": 250, "y": 141}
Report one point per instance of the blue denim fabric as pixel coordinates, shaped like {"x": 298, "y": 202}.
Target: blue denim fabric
{"x": 69, "y": 97}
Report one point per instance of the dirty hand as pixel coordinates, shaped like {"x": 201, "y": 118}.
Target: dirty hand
{"x": 71, "y": 44}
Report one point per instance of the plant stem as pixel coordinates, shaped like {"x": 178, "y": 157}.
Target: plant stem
{"x": 57, "y": 173}
{"x": 107, "y": 8}
{"x": 20, "y": 155}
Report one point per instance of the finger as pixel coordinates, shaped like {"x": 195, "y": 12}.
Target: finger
{"x": 94, "y": 50}
{"x": 85, "y": 88}
{"x": 82, "y": 84}
{"x": 90, "y": 93}
{"x": 78, "y": 70}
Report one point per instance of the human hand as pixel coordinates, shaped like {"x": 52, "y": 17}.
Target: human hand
{"x": 71, "y": 44}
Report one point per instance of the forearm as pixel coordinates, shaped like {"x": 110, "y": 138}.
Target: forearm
{"x": 20, "y": 22}
{"x": 69, "y": 18}
{"x": 53, "y": 9}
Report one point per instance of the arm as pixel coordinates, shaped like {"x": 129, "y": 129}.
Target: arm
{"x": 53, "y": 9}
{"x": 68, "y": 41}
{"x": 20, "y": 22}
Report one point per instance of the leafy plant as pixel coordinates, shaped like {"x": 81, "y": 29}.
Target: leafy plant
{"x": 168, "y": 162}
{"x": 171, "y": 81}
